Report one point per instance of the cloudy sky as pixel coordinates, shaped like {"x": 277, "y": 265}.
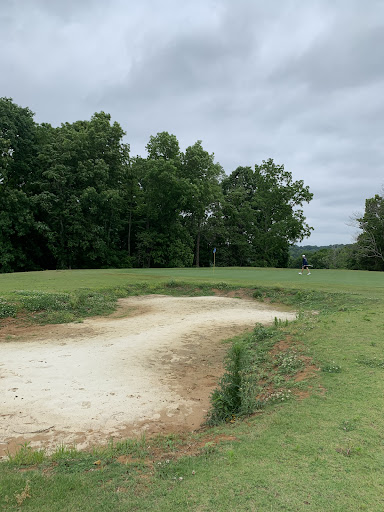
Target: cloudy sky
{"x": 298, "y": 81}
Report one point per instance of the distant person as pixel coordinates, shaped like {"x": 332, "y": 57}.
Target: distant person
{"x": 305, "y": 266}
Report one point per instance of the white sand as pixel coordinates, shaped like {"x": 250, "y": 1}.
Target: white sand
{"x": 153, "y": 369}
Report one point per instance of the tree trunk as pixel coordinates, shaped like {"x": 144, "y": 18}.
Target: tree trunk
{"x": 129, "y": 231}
{"x": 197, "y": 256}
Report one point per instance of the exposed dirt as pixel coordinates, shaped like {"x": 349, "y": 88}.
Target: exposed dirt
{"x": 150, "y": 367}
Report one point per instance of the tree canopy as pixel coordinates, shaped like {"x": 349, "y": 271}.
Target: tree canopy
{"x": 370, "y": 241}
{"x": 263, "y": 215}
{"x": 72, "y": 196}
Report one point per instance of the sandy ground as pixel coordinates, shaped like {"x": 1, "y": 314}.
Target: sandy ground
{"x": 150, "y": 368}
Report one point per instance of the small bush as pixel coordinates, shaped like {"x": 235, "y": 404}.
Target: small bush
{"x": 236, "y": 395}
{"x": 258, "y": 294}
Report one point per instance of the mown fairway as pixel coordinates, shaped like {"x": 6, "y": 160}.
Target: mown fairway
{"x": 362, "y": 282}
{"x": 321, "y": 451}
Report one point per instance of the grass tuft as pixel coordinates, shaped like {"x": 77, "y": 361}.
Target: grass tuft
{"x": 26, "y": 456}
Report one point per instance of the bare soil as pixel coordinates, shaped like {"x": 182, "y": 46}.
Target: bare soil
{"x": 148, "y": 368}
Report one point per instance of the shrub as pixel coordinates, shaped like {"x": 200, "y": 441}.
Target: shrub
{"x": 236, "y": 394}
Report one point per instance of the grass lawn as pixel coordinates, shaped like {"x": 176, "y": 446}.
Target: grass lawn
{"x": 67, "y": 280}
{"x": 320, "y": 451}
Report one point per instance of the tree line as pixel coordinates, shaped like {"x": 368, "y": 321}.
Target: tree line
{"x": 336, "y": 256}
{"x": 73, "y": 197}
{"x": 367, "y": 253}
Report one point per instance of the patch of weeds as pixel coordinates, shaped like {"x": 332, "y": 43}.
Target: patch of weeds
{"x": 209, "y": 448}
{"x": 264, "y": 337}
{"x": 348, "y": 425}
{"x": 260, "y": 342}
{"x": 7, "y": 309}
{"x": 258, "y": 294}
{"x": 23, "y": 495}
{"x": 164, "y": 469}
{"x": 61, "y": 307}
{"x": 289, "y": 363}
{"x": 91, "y": 303}
{"x": 78, "y": 463}
{"x": 331, "y": 368}
{"x": 222, "y": 286}
{"x": 134, "y": 447}
{"x": 311, "y": 299}
{"x": 54, "y": 317}
{"x": 169, "y": 442}
{"x": 11, "y": 337}
{"x": 278, "y": 396}
{"x": 278, "y": 380}
{"x": 172, "y": 284}
{"x": 279, "y": 322}
{"x": 349, "y": 449}
{"x": 371, "y": 363}
{"x": 34, "y": 301}
{"x": 249, "y": 370}
{"x": 26, "y": 456}
{"x": 64, "y": 452}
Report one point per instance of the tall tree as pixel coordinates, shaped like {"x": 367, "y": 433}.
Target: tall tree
{"x": 263, "y": 214}
{"x": 17, "y": 144}
{"x": 203, "y": 175}
{"x": 371, "y": 241}
{"x": 17, "y": 164}
{"x": 163, "y": 240}
{"x": 164, "y": 146}
{"x": 80, "y": 196}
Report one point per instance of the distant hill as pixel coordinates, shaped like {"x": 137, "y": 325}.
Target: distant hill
{"x": 325, "y": 256}
{"x": 296, "y": 251}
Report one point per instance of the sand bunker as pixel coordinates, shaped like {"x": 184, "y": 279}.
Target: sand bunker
{"x": 150, "y": 368}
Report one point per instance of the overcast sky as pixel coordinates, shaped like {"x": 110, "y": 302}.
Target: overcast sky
{"x": 298, "y": 81}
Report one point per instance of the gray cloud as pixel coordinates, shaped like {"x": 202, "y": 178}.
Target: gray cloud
{"x": 299, "y": 82}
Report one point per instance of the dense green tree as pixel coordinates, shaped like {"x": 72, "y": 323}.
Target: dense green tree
{"x": 80, "y": 189}
{"x": 263, "y": 214}
{"x": 163, "y": 240}
{"x": 203, "y": 175}
{"x": 71, "y": 196}
{"x": 17, "y": 151}
{"x": 17, "y": 144}
{"x": 371, "y": 240}
{"x": 164, "y": 146}
{"x": 16, "y": 225}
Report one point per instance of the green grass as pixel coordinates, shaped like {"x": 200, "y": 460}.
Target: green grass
{"x": 323, "y": 452}
{"x": 361, "y": 282}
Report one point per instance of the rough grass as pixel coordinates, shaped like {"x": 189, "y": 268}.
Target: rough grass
{"x": 320, "y": 450}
